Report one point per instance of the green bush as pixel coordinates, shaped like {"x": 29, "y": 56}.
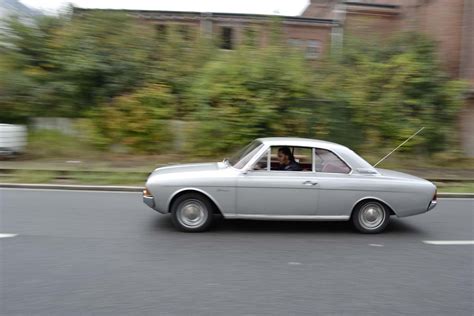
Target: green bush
{"x": 249, "y": 93}
{"x": 386, "y": 91}
{"x": 54, "y": 144}
{"x": 67, "y": 65}
{"x": 138, "y": 121}
{"x": 125, "y": 82}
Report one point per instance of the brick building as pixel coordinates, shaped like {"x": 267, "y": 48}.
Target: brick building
{"x": 324, "y": 23}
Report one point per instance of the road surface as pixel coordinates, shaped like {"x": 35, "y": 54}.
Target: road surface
{"x": 105, "y": 253}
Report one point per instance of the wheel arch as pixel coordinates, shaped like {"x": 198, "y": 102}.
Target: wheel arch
{"x": 183, "y": 191}
{"x": 372, "y": 198}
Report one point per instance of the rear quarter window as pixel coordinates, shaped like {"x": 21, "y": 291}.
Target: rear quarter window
{"x": 327, "y": 161}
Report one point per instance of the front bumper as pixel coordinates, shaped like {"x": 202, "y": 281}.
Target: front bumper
{"x": 432, "y": 205}
{"x": 150, "y": 201}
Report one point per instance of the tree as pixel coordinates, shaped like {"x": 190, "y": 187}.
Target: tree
{"x": 25, "y": 67}
{"x": 249, "y": 93}
{"x": 66, "y": 65}
{"x": 389, "y": 90}
{"x": 138, "y": 121}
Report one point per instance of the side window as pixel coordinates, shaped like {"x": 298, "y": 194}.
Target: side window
{"x": 262, "y": 163}
{"x": 290, "y": 158}
{"x": 326, "y": 161}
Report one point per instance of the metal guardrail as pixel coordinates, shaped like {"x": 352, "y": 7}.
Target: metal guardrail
{"x": 110, "y": 188}
{"x": 65, "y": 174}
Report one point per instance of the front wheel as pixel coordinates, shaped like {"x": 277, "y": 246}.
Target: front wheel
{"x": 192, "y": 212}
{"x": 370, "y": 217}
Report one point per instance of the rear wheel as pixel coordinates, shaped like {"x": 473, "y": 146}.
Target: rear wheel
{"x": 370, "y": 217}
{"x": 192, "y": 212}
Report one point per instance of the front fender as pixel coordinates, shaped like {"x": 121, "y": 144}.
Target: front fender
{"x": 191, "y": 189}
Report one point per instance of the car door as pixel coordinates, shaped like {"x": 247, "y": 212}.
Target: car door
{"x": 338, "y": 189}
{"x": 269, "y": 192}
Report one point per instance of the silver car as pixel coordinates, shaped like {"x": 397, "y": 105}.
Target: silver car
{"x": 287, "y": 179}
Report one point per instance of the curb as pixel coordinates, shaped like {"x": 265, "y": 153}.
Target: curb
{"x": 456, "y": 195}
{"x": 116, "y": 188}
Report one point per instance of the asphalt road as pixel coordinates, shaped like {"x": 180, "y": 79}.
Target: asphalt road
{"x": 98, "y": 253}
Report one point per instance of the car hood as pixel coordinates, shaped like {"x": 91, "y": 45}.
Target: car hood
{"x": 398, "y": 175}
{"x": 196, "y": 167}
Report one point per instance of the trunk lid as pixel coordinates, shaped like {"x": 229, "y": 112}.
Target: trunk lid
{"x": 397, "y": 175}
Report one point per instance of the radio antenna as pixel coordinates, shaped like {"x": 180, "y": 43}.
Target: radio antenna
{"x": 399, "y": 146}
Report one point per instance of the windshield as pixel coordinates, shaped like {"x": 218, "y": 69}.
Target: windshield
{"x": 243, "y": 156}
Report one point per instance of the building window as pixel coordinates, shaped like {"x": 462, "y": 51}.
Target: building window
{"x": 185, "y": 32}
{"x": 226, "y": 37}
{"x": 296, "y": 43}
{"x": 313, "y": 49}
{"x": 161, "y": 31}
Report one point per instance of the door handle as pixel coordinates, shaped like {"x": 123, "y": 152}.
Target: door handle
{"x": 310, "y": 182}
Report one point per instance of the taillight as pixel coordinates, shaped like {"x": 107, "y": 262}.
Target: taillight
{"x": 435, "y": 196}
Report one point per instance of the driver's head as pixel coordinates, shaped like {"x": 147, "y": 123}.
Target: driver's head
{"x": 284, "y": 155}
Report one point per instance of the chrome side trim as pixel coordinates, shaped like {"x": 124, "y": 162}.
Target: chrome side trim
{"x": 289, "y": 217}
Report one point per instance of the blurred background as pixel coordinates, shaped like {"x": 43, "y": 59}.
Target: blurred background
{"x": 102, "y": 92}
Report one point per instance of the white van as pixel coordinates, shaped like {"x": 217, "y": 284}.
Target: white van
{"x": 12, "y": 139}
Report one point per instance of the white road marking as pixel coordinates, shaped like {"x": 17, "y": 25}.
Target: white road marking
{"x": 292, "y": 263}
{"x": 7, "y": 235}
{"x": 449, "y": 242}
{"x": 376, "y": 245}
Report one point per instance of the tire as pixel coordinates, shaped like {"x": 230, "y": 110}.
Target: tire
{"x": 370, "y": 217}
{"x": 192, "y": 212}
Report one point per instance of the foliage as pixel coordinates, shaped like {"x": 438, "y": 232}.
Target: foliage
{"x": 25, "y": 81}
{"x": 63, "y": 66}
{"x": 52, "y": 143}
{"x": 247, "y": 94}
{"x": 102, "y": 55}
{"x": 137, "y": 121}
{"x": 26, "y": 176}
{"x": 125, "y": 80}
{"x": 389, "y": 90}
{"x": 180, "y": 54}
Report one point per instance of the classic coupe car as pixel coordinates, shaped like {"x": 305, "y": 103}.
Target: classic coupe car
{"x": 287, "y": 179}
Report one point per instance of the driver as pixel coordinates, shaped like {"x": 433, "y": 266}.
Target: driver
{"x": 287, "y": 160}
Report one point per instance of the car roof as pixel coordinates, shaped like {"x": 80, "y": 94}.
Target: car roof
{"x": 350, "y": 157}
{"x": 297, "y": 141}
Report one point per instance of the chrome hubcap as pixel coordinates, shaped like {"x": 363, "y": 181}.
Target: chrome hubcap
{"x": 371, "y": 216}
{"x": 192, "y": 213}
